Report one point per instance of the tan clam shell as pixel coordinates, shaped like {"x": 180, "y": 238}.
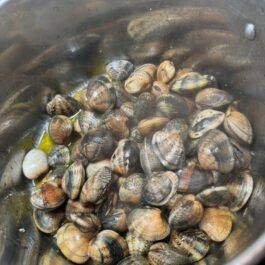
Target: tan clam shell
{"x": 159, "y": 88}
{"x": 137, "y": 245}
{"x": 183, "y": 71}
{"x": 134, "y": 260}
{"x": 216, "y": 223}
{"x": 116, "y": 220}
{"x": 165, "y": 71}
{"x": 149, "y": 125}
{"x": 73, "y": 243}
{"x": 148, "y": 223}
{"x": 92, "y": 168}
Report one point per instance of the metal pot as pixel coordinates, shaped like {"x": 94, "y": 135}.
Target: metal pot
{"x": 50, "y": 46}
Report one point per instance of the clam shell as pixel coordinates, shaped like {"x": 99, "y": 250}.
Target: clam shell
{"x": 76, "y": 154}
{"x": 143, "y": 106}
{"x": 47, "y": 222}
{"x": 73, "y": 180}
{"x": 122, "y": 96}
{"x": 216, "y": 223}
{"x": 136, "y": 136}
{"x": 149, "y": 125}
{"x": 148, "y": 223}
{"x": 160, "y": 187}
{"x": 213, "y": 98}
{"x": 183, "y": 71}
{"x": 77, "y": 208}
{"x": 108, "y": 248}
{"x": 186, "y": 213}
{"x": 179, "y": 126}
{"x": 119, "y": 70}
{"x": 215, "y": 152}
{"x": 131, "y": 189}
{"x": 127, "y": 108}
{"x": 169, "y": 148}
{"x": 55, "y": 176}
{"x": 59, "y": 156}
{"x": 125, "y": 159}
{"x": 165, "y": 71}
{"x": 193, "y": 242}
{"x": 137, "y": 245}
{"x": 96, "y": 186}
{"x": 159, "y": 88}
{"x": 47, "y": 197}
{"x": 116, "y": 220}
{"x": 238, "y": 127}
{"x": 92, "y": 168}
{"x": 205, "y": 121}
{"x": 60, "y": 129}
{"x": 73, "y": 243}
{"x": 191, "y": 82}
{"x": 63, "y": 105}
{"x": 132, "y": 260}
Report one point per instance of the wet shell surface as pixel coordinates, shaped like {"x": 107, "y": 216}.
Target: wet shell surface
{"x": 134, "y": 260}
{"x": 35, "y": 163}
{"x": 216, "y": 223}
{"x": 160, "y": 187}
{"x": 143, "y": 106}
{"x": 60, "y": 129}
{"x": 213, "y": 98}
{"x": 73, "y": 243}
{"x": 73, "y": 180}
{"x": 136, "y": 136}
{"x": 159, "y": 88}
{"x": 127, "y": 109}
{"x": 238, "y": 127}
{"x": 119, "y": 70}
{"x": 132, "y": 188}
{"x": 77, "y": 208}
{"x": 92, "y": 168}
{"x": 148, "y": 223}
{"x": 204, "y": 121}
{"x": 193, "y": 242}
{"x": 215, "y": 152}
{"x": 108, "y": 248}
{"x": 125, "y": 159}
{"x": 191, "y": 82}
{"x": 59, "y": 156}
{"x": 116, "y": 220}
{"x": 137, "y": 245}
{"x": 149, "y": 125}
{"x": 76, "y": 154}
{"x": 169, "y": 148}
{"x": 47, "y": 197}
{"x": 48, "y": 222}
{"x": 186, "y": 213}
{"x": 179, "y": 126}
{"x": 63, "y": 105}
{"x": 96, "y": 186}
{"x": 55, "y": 176}
{"x": 165, "y": 71}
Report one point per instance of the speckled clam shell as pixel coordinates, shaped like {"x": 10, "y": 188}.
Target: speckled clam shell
{"x": 149, "y": 125}
{"x": 137, "y": 245}
{"x": 119, "y": 69}
{"x": 59, "y": 156}
{"x": 165, "y": 71}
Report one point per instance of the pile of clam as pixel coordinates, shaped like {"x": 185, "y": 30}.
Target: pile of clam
{"x": 148, "y": 166}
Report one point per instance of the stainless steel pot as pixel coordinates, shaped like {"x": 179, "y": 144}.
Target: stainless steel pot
{"x": 50, "y": 46}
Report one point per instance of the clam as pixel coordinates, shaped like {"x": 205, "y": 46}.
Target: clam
{"x": 119, "y": 70}
{"x": 173, "y": 200}
{"x": 63, "y": 105}
{"x": 193, "y": 242}
{"x": 191, "y": 82}
{"x": 131, "y": 189}
{"x": 205, "y": 121}
{"x": 59, "y": 156}
{"x": 160, "y": 187}
{"x": 134, "y": 260}
{"x": 149, "y": 125}
{"x": 127, "y": 109}
{"x": 165, "y": 71}
{"x": 183, "y": 71}
{"x": 55, "y": 176}
{"x": 159, "y": 88}
{"x": 179, "y": 126}
{"x": 87, "y": 120}
{"x": 216, "y": 223}
{"x": 73, "y": 180}
{"x": 47, "y": 222}
{"x": 76, "y": 154}
{"x": 100, "y": 95}
{"x": 148, "y": 223}
{"x": 97, "y": 144}
{"x": 242, "y": 156}
{"x": 116, "y": 220}
{"x": 186, "y": 213}
{"x": 163, "y": 253}
{"x": 137, "y": 245}
{"x": 238, "y": 127}
{"x": 215, "y": 152}
{"x": 108, "y": 247}
{"x": 51, "y": 257}
{"x": 141, "y": 79}
{"x": 191, "y": 147}
{"x": 125, "y": 159}
{"x": 92, "y": 168}
{"x": 143, "y": 106}
{"x": 35, "y": 163}
{"x": 136, "y": 136}
{"x": 171, "y": 105}
{"x": 193, "y": 179}
{"x": 116, "y": 121}
{"x": 213, "y": 98}
{"x": 73, "y": 243}
{"x": 149, "y": 160}
{"x": 122, "y": 96}
{"x": 47, "y": 197}
{"x": 60, "y": 129}
{"x": 77, "y": 208}
{"x": 169, "y": 148}
{"x": 96, "y": 186}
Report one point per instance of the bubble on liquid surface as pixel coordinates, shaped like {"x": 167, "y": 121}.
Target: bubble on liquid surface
{"x": 250, "y": 31}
